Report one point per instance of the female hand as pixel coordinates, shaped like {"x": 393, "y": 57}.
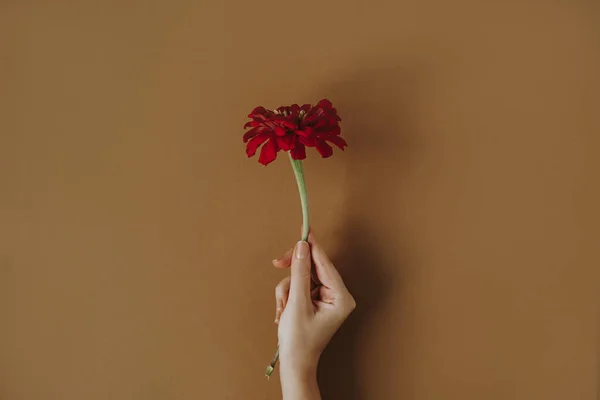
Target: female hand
{"x": 309, "y": 312}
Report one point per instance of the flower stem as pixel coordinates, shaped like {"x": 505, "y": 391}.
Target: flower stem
{"x": 299, "y": 173}
{"x": 271, "y": 366}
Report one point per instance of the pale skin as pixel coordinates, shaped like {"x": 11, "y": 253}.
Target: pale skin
{"x": 309, "y": 310}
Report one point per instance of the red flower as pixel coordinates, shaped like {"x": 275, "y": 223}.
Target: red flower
{"x": 293, "y": 128}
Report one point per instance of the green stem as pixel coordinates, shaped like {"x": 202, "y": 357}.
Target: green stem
{"x": 271, "y": 366}
{"x": 299, "y": 173}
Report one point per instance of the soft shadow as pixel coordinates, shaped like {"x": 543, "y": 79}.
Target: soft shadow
{"x": 378, "y": 106}
{"x": 364, "y": 276}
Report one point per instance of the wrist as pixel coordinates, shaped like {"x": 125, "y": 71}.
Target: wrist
{"x": 299, "y": 364}
{"x": 299, "y": 381}
{"x": 298, "y": 369}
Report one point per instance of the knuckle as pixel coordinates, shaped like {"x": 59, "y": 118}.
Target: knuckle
{"x": 350, "y": 304}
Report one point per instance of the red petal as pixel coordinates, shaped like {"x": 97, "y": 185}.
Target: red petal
{"x": 336, "y": 140}
{"x": 255, "y": 142}
{"x": 298, "y": 152}
{"x": 326, "y": 104}
{"x": 289, "y": 124}
{"x": 279, "y": 131}
{"x": 322, "y": 122}
{"x": 310, "y": 118}
{"x": 251, "y": 124}
{"x": 323, "y": 148}
{"x": 301, "y": 133}
{"x": 326, "y": 129}
{"x": 258, "y": 112}
{"x": 253, "y": 132}
{"x": 307, "y": 131}
{"x": 268, "y": 153}
{"x": 286, "y": 142}
{"x": 308, "y": 141}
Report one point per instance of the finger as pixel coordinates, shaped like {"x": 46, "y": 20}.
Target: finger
{"x": 281, "y": 295}
{"x": 285, "y": 260}
{"x": 313, "y": 274}
{"x": 300, "y": 280}
{"x": 324, "y": 268}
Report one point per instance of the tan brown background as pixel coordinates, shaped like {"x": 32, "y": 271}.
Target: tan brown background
{"x": 136, "y": 238}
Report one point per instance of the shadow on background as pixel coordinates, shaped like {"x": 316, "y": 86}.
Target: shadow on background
{"x": 377, "y": 107}
{"x": 364, "y": 274}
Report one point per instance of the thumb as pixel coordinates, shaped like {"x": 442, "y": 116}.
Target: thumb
{"x": 300, "y": 282}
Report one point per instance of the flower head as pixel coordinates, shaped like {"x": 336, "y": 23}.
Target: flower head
{"x": 293, "y": 128}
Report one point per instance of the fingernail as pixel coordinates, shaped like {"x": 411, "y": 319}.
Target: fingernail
{"x": 302, "y": 250}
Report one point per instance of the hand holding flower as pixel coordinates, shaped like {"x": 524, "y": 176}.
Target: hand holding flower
{"x": 292, "y": 129}
{"x": 310, "y": 316}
